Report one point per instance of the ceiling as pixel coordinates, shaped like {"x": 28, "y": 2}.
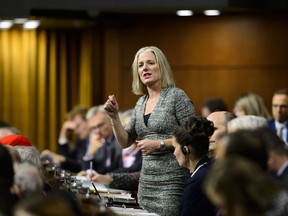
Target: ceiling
{"x": 80, "y": 13}
{"x": 92, "y": 8}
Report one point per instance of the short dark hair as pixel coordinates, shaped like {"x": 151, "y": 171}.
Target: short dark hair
{"x": 4, "y": 124}
{"x": 229, "y": 116}
{"x": 281, "y": 91}
{"x": 271, "y": 140}
{"x": 246, "y": 144}
{"x": 215, "y": 104}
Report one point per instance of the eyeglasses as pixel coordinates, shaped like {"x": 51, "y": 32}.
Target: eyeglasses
{"x": 284, "y": 106}
{"x": 99, "y": 126}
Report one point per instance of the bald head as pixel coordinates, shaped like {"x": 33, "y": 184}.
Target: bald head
{"x": 220, "y": 120}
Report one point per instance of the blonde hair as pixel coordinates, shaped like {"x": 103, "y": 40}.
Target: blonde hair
{"x": 166, "y": 75}
{"x": 252, "y": 104}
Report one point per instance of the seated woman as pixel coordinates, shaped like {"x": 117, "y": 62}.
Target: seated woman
{"x": 191, "y": 144}
{"x": 250, "y": 104}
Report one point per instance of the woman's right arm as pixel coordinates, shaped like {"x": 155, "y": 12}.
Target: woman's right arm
{"x": 112, "y": 109}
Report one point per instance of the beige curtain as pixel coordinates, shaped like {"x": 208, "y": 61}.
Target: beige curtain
{"x": 43, "y": 74}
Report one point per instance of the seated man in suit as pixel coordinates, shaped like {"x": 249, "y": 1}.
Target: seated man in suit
{"x": 279, "y": 123}
{"x": 277, "y": 154}
{"x": 76, "y": 124}
{"x": 104, "y": 153}
{"x": 73, "y": 141}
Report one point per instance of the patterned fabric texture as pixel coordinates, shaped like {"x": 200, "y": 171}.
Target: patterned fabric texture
{"x": 162, "y": 179}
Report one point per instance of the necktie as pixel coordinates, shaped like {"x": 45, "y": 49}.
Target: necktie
{"x": 107, "y": 154}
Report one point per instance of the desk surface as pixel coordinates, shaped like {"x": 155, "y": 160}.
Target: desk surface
{"x": 131, "y": 211}
{"x": 115, "y": 197}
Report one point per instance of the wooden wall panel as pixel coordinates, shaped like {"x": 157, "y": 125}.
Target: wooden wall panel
{"x": 228, "y": 40}
{"x": 211, "y": 56}
{"x": 229, "y": 84}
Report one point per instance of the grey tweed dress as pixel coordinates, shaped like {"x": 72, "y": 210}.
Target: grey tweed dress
{"x": 162, "y": 179}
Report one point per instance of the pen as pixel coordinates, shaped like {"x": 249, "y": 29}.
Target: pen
{"x": 96, "y": 191}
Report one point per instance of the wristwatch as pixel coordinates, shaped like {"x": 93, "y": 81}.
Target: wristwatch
{"x": 162, "y": 145}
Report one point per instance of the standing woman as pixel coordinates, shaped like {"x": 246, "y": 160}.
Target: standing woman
{"x": 160, "y": 110}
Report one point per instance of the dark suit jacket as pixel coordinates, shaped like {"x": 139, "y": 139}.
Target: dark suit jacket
{"x": 99, "y": 159}
{"x": 74, "y": 161}
{"x": 271, "y": 123}
{"x": 284, "y": 177}
{"x": 194, "y": 201}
